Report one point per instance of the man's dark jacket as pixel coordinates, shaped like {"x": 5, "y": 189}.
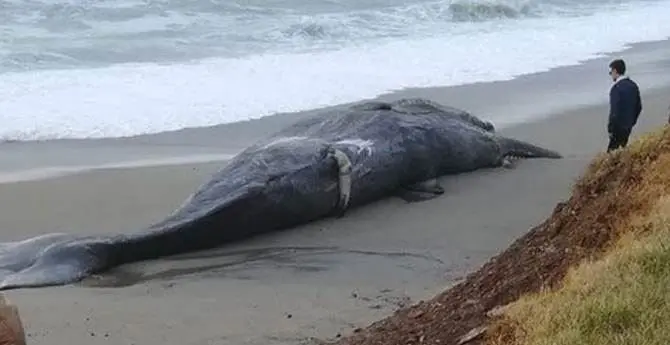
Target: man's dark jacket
{"x": 625, "y": 106}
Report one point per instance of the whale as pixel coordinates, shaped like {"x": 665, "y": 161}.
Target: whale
{"x": 318, "y": 167}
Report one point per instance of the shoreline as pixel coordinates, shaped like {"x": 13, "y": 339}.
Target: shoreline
{"x": 583, "y": 57}
{"x": 647, "y": 62}
{"x": 637, "y": 50}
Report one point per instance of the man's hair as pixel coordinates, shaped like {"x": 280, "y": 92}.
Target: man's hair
{"x": 619, "y": 66}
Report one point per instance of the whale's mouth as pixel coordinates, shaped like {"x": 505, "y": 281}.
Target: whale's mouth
{"x": 509, "y": 160}
{"x": 514, "y": 150}
{"x": 521, "y": 149}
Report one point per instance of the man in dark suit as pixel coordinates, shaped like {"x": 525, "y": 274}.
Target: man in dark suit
{"x": 625, "y": 106}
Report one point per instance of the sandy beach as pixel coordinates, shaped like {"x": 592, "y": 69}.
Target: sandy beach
{"x": 316, "y": 281}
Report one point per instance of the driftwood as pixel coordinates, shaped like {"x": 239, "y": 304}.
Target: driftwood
{"x": 11, "y": 327}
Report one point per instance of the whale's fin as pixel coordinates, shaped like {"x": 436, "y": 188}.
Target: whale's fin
{"x": 50, "y": 260}
{"x": 517, "y": 148}
{"x": 422, "y": 191}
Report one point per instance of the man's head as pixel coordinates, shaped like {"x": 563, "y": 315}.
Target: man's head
{"x": 617, "y": 69}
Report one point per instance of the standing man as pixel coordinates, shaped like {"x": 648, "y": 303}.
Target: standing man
{"x": 625, "y": 106}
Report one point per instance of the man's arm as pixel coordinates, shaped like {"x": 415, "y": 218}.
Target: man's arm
{"x": 614, "y": 109}
{"x": 638, "y": 105}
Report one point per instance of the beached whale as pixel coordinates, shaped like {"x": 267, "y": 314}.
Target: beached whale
{"x": 340, "y": 158}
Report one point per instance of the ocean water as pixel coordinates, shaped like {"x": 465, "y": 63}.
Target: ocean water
{"x": 112, "y": 68}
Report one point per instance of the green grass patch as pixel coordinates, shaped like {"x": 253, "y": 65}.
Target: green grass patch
{"x": 624, "y": 298}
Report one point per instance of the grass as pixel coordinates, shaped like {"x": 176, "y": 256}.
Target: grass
{"x": 623, "y": 296}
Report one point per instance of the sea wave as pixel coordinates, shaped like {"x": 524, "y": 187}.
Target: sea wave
{"x": 207, "y": 62}
{"x": 469, "y": 11}
{"x": 427, "y": 17}
{"x": 64, "y": 34}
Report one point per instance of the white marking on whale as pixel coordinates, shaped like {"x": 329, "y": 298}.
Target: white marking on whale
{"x": 361, "y": 145}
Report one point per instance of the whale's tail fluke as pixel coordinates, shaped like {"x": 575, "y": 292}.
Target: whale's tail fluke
{"x": 63, "y": 259}
{"x": 49, "y": 260}
{"x": 517, "y": 148}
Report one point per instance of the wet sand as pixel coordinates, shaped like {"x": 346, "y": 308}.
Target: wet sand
{"x": 318, "y": 280}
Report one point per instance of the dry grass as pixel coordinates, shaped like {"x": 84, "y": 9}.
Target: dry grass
{"x": 623, "y": 296}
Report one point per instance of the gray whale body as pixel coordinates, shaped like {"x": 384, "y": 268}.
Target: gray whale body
{"x": 340, "y": 158}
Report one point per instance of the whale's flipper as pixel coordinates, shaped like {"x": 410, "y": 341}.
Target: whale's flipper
{"x": 518, "y": 148}
{"x": 422, "y": 191}
{"x": 49, "y": 260}
{"x": 344, "y": 167}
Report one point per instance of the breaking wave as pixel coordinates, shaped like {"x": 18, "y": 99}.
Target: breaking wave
{"x": 110, "y": 68}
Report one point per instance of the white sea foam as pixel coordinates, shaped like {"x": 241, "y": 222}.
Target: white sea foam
{"x": 132, "y": 99}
